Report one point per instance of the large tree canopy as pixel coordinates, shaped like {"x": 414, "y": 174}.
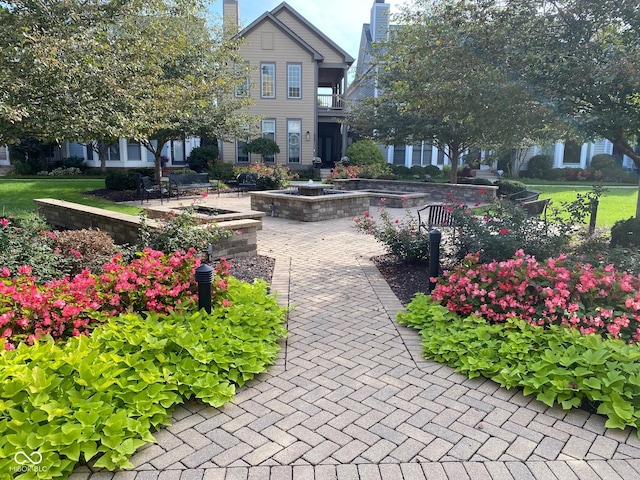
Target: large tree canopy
{"x": 436, "y": 85}
{"x": 580, "y": 58}
{"x": 151, "y": 70}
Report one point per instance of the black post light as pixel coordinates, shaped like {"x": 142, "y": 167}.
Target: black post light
{"x": 204, "y": 278}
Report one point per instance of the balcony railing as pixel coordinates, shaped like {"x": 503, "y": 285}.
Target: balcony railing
{"x": 330, "y": 102}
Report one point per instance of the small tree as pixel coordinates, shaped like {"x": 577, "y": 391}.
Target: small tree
{"x": 263, "y": 146}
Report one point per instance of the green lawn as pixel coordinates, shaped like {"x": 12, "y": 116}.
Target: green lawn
{"x": 17, "y": 195}
{"x": 617, "y": 203}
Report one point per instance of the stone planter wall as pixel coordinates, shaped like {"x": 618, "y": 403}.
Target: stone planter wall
{"x": 310, "y": 209}
{"x": 434, "y": 192}
{"x": 123, "y": 228}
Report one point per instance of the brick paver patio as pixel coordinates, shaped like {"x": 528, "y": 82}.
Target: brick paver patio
{"x": 351, "y": 398}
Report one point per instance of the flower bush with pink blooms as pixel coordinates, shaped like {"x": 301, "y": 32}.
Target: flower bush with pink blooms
{"x": 68, "y": 307}
{"x": 551, "y": 292}
{"x": 401, "y": 237}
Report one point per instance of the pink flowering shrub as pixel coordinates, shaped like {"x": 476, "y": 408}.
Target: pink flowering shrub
{"x": 73, "y": 306}
{"x": 556, "y": 291}
{"x": 402, "y": 238}
{"x": 342, "y": 171}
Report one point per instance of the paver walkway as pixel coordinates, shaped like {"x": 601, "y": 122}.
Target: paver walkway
{"x": 351, "y": 398}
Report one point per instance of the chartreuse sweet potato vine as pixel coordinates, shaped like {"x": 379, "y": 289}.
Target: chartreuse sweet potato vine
{"x": 557, "y": 364}
{"x": 99, "y": 398}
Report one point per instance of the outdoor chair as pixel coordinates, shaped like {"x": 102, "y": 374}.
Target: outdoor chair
{"x": 435, "y": 215}
{"x": 147, "y": 187}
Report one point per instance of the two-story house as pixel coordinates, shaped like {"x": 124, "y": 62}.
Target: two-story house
{"x": 298, "y": 78}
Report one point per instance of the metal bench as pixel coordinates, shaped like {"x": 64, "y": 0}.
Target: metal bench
{"x": 524, "y": 196}
{"x": 435, "y": 215}
{"x": 147, "y": 187}
{"x": 247, "y": 181}
{"x": 536, "y": 208}
{"x": 183, "y": 182}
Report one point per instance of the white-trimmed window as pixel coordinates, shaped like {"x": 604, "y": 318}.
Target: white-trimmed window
{"x": 269, "y": 131}
{"x": 294, "y": 80}
{"x": 112, "y": 151}
{"x": 242, "y": 88}
{"x": 294, "y": 130}
{"x": 268, "y": 80}
{"x": 134, "y": 151}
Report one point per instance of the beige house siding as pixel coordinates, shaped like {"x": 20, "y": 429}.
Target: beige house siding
{"x": 285, "y": 51}
{"x": 330, "y": 55}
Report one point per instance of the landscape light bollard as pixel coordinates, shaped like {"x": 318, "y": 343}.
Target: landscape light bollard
{"x": 434, "y": 256}
{"x": 204, "y": 278}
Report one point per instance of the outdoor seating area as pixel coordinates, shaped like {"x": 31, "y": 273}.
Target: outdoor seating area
{"x": 246, "y": 182}
{"x": 179, "y": 183}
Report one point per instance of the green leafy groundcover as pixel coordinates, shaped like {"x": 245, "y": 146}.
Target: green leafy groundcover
{"x": 100, "y": 397}
{"x": 557, "y": 364}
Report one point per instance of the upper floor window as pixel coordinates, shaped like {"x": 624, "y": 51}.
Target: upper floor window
{"x": 268, "y": 80}
{"x": 294, "y": 81}
{"x": 242, "y": 88}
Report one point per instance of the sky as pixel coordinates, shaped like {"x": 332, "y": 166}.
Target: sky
{"x": 340, "y": 20}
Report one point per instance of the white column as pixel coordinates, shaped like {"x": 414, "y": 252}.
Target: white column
{"x": 558, "y": 155}
{"x": 583, "y": 155}
{"x": 434, "y": 155}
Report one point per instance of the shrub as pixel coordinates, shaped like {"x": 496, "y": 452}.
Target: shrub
{"x": 181, "y": 232}
{"x": 539, "y": 166}
{"x": 402, "y": 172}
{"x": 604, "y": 162}
{"x": 626, "y": 233}
{"x": 556, "y": 364}
{"x": 504, "y": 228}
{"x": 342, "y": 172}
{"x": 433, "y": 171}
{"x": 272, "y": 177}
{"x": 365, "y": 152}
{"x": 84, "y": 249}
{"x": 108, "y": 392}
{"x": 377, "y": 170}
{"x": 222, "y": 171}
{"x": 401, "y": 238}
{"x": 507, "y": 187}
{"x": 551, "y": 292}
{"x": 27, "y": 241}
{"x": 201, "y": 158}
{"x": 127, "y": 179}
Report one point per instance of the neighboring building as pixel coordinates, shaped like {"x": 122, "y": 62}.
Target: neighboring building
{"x": 4, "y": 155}
{"x": 130, "y": 154}
{"x": 564, "y": 154}
{"x": 364, "y": 86}
{"x": 297, "y": 82}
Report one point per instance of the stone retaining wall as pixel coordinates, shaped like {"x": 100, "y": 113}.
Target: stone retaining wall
{"x": 435, "y": 192}
{"x": 310, "y": 209}
{"x": 123, "y": 228}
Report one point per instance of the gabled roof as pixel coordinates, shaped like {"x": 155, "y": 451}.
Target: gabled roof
{"x": 271, "y": 16}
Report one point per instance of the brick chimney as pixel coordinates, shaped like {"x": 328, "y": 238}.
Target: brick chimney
{"x": 230, "y": 16}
